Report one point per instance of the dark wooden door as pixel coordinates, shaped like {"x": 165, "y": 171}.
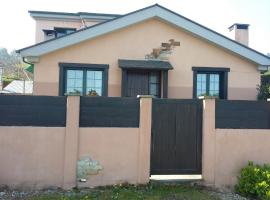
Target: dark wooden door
{"x": 143, "y": 82}
{"x": 176, "y": 136}
{"x": 137, "y": 83}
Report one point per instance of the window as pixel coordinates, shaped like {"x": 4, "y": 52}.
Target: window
{"x": 94, "y": 83}
{"x": 85, "y": 79}
{"x": 210, "y": 82}
{"x": 154, "y": 84}
{"x": 74, "y": 81}
{"x": 57, "y": 32}
{"x": 214, "y": 85}
{"x": 63, "y": 31}
{"x": 49, "y": 34}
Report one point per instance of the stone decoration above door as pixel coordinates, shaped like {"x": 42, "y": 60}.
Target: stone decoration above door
{"x": 163, "y": 52}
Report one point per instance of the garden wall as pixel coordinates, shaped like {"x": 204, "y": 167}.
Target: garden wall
{"x": 55, "y": 141}
{"x": 227, "y": 150}
{"x": 31, "y": 156}
{"x": 41, "y": 143}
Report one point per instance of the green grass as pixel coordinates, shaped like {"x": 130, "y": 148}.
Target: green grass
{"x": 128, "y": 192}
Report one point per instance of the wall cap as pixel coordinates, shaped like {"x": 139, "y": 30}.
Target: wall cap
{"x": 206, "y": 97}
{"x": 72, "y": 95}
{"x": 145, "y": 96}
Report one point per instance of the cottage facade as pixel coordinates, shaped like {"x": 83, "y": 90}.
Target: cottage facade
{"x": 110, "y": 57}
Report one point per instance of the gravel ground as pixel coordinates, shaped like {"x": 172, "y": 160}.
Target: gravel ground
{"x": 228, "y": 196}
{"x": 6, "y": 194}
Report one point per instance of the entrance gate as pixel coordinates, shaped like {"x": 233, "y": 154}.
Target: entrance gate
{"x": 176, "y": 146}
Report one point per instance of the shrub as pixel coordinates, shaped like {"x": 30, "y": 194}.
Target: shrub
{"x": 263, "y": 91}
{"x": 254, "y": 181}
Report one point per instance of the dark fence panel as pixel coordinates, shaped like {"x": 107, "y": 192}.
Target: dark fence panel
{"x": 109, "y": 112}
{"x": 32, "y": 111}
{"x": 242, "y": 114}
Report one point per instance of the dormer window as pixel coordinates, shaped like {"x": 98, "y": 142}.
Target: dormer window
{"x": 48, "y": 34}
{"x": 63, "y": 31}
{"x": 57, "y": 32}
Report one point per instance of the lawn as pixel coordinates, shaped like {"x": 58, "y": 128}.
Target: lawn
{"x": 129, "y": 192}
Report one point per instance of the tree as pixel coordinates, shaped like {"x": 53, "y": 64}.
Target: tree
{"x": 263, "y": 91}
{"x": 13, "y": 65}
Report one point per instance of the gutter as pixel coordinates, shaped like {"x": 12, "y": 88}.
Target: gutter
{"x": 26, "y": 61}
{"x": 25, "y": 72}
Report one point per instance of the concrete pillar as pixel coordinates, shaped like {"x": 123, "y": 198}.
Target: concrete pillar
{"x": 71, "y": 142}
{"x": 209, "y": 142}
{"x": 144, "y": 138}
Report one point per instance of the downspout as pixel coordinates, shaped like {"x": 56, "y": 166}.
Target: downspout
{"x": 28, "y": 64}
{"x": 26, "y": 61}
{"x": 83, "y": 22}
{"x": 26, "y": 73}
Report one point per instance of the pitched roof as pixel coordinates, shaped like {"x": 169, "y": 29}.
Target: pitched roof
{"x": 139, "y": 16}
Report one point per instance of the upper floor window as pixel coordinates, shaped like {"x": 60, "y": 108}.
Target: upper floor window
{"x": 57, "y": 32}
{"x": 63, "y": 31}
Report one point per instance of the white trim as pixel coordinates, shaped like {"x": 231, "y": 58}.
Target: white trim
{"x": 262, "y": 68}
{"x": 142, "y": 15}
{"x": 70, "y": 16}
{"x": 45, "y": 16}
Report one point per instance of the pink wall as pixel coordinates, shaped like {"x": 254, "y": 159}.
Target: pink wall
{"x": 31, "y": 156}
{"x": 41, "y": 157}
{"x": 226, "y": 151}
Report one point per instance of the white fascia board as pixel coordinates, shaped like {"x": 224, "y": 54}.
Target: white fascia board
{"x": 54, "y": 16}
{"x": 140, "y": 16}
{"x": 78, "y": 17}
{"x": 95, "y": 17}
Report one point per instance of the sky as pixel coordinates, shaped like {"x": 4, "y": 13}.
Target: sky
{"x": 18, "y": 28}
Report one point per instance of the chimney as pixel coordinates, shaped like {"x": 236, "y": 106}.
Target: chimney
{"x": 240, "y": 32}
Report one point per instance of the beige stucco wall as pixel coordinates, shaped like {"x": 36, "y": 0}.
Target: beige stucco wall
{"x": 123, "y": 153}
{"x": 226, "y": 151}
{"x": 138, "y": 40}
{"x": 50, "y": 24}
{"x": 31, "y": 156}
{"x": 116, "y": 149}
{"x": 36, "y": 156}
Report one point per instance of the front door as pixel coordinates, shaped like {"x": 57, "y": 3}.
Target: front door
{"x": 141, "y": 82}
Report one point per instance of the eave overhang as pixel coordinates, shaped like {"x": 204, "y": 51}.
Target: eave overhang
{"x": 145, "y": 64}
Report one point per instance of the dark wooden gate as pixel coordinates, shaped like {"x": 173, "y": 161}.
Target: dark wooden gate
{"x": 176, "y": 136}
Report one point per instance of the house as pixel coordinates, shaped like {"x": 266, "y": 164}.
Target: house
{"x": 18, "y": 87}
{"x": 149, "y": 51}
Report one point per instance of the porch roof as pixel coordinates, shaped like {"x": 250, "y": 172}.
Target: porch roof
{"x": 145, "y": 64}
